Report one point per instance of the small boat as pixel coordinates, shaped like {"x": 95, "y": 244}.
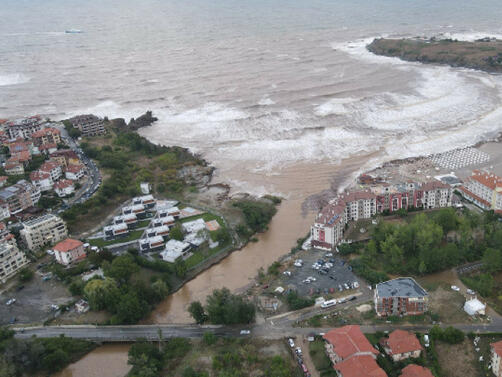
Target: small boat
{"x": 73, "y": 31}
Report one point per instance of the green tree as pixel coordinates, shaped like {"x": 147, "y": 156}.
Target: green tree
{"x": 176, "y": 233}
{"x": 180, "y": 268}
{"x": 492, "y": 260}
{"x": 102, "y": 294}
{"x": 121, "y": 268}
{"x": 225, "y": 308}
{"x": 25, "y": 274}
{"x": 161, "y": 289}
{"x": 446, "y": 218}
{"x": 197, "y": 312}
{"x": 209, "y": 338}
{"x": 130, "y": 309}
{"x": 278, "y": 368}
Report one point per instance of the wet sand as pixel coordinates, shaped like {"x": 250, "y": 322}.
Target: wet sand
{"x": 109, "y": 360}
{"x": 290, "y": 223}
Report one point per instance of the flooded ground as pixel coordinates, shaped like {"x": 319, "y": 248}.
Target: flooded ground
{"x": 291, "y": 222}
{"x": 109, "y": 360}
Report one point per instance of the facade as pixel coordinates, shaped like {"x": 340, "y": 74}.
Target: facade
{"x": 137, "y": 209}
{"x": 89, "y": 125}
{"x": 496, "y": 354}
{"x": 20, "y": 196}
{"x": 4, "y": 210}
{"x": 151, "y": 244}
{"x": 115, "y": 231}
{"x": 44, "y": 230}
{"x": 401, "y": 345}
{"x": 69, "y": 251}
{"x": 14, "y": 168}
{"x": 130, "y": 220}
{"x": 401, "y": 296}
{"x": 484, "y": 190}
{"x": 162, "y": 230}
{"x": 41, "y": 179}
{"x": 327, "y": 230}
{"x": 46, "y": 136}
{"x": 64, "y": 187}
{"x": 53, "y": 168}
{"x": 414, "y": 370}
{"x": 147, "y": 201}
{"x": 74, "y": 172}
{"x": 351, "y": 353}
{"x": 65, "y": 157}
{"x": 175, "y": 249}
{"x": 11, "y": 260}
{"x": 24, "y": 128}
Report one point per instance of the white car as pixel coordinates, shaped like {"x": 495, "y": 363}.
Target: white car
{"x": 306, "y": 281}
{"x": 291, "y": 343}
{"x": 298, "y": 264}
{"x": 455, "y": 288}
{"x": 355, "y": 284}
{"x": 245, "y": 332}
{"x": 298, "y": 351}
{"x": 299, "y": 261}
{"x": 10, "y": 302}
{"x": 287, "y": 273}
{"x": 470, "y": 292}
{"x": 311, "y": 278}
{"x": 54, "y": 307}
{"x": 329, "y": 255}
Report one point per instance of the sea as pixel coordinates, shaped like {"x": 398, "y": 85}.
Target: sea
{"x": 257, "y": 87}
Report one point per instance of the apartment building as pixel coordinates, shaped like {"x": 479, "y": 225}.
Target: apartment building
{"x": 329, "y": 225}
{"x": 401, "y": 296}
{"x": 4, "y": 210}
{"x": 46, "y": 136}
{"x": 20, "y": 196}
{"x": 44, "y": 230}
{"x": 53, "y": 168}
{"x": 496, "y": 354}
{"x": 89, "y": 125}
{"x": 69, "y": 251}
{"x": 42, "y": 180}
{"x": 147, "y": 200}
{"x": 24, "y": 128}
{"x": 64, "y": 187}
{"x": 359, "y": 205}
{"x": 65, "y": 157}
{"x": 484, "y": 190}
{"x": 74, "y": 172}
{"x": 11, "y": 260}
{"x": 115, "y": 231}
{"x": 130, "y": 220}
{"x": 137, "y": 209}
{"x": 151, "y": 244}
{"x": 436, "y": 194}
{"x": 351, "y": 353}
{"x": 14, "y": 168}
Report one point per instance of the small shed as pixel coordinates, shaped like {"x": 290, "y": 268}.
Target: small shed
{"x": 279, "y": 290}
{"x": 474, "y": 307}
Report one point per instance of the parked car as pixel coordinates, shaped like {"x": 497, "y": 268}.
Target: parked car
{"x": 470, "y": 292}
{"x": 455, "y": 288}
{"x": 10, "y": 302}
{"x": 355, "y": 284}
{"x": 329, "y": 255}
{"x": 287, "y": 273}
{"x": 426, "y": 340}
{"x": 291, "y": 343}
{"x": 298, "y": 351}
{"x": 245, "y": 332}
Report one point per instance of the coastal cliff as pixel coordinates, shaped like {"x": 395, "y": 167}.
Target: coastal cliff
{"x": 483, "y": 54}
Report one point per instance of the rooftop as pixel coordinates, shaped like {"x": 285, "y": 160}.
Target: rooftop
{"x": 497, "y": 347}
{"x": 46, "y": 131}
{"x": 400, "y": 287}
{"x": 40, "y": 219}
{"x": 489, "y": 180}
{"x": 360, "y": 366}
{"x": 414, "y": 370}
{"x": 349, "y": 340}
{"x": 67, "y": 245}
{"x": 401, "y": 341}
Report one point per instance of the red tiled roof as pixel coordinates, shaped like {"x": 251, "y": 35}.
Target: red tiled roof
{"x": 20, "y": 156}
{"x": 360, "y": 366}
{"x": 63, "y": 183}
{"x": 414, "y": 370}
{"x": 49, "y": 165}
{"x": 433, "y": 185}
{"x": 73, "y": 168}
{"x": 497, "y": 347}
{"x": 2, "y": 121}
{"x": 348, "y": 340}
{"x": 18, "y": 146}
{"x": 472, "y": 195}
{"x": 67, "y": 153}
{"x": 47, "y": 146}
{"x": 331, "y": 214}
{"x": 67, "y": 245}
{"x": 357, "y": 195}
{"x": 401, "y": 341}
{"x": 486, "y": 179}
{"x": 39, "y": 175}
{"x": 12, "y": 165}
{"x": 45, "y": 131}
{"x": 3, "y": 178}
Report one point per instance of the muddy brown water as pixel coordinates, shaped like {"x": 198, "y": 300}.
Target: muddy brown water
{"x": 109, "y": 360}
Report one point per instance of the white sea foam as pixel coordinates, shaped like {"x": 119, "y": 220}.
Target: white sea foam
{"x": 266, "y": 101}
{"x": 334, "y": 106}
{"x": 13, "y": 79}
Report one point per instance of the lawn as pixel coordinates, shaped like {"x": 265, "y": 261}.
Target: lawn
{"x": 206, "y": 217}
{"x": 99, "y": 242}
{"x": 320, "y": 359}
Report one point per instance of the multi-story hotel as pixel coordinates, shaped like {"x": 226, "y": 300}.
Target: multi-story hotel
{"x": 329, "y": 225}
{"x": 483, "y": 189}
{"x": 44, "y": 230}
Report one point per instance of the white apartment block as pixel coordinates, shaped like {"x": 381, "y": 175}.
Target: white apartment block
{"x": 44, "y": 230}
{"x": 496, "y": 353}
{"x": 11, "y": 260}
{"x": 484, "y": 190}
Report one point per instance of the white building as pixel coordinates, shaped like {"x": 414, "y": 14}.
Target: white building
{"x": 130, "y": 220}
{"x": 329, "y": 225}
{"x": 194, "y": 226}
{"x": 436, "y": 194}
{"x": 53, "y": 168}
{"x": 11, "y": 260}
{"x": 151, "y": 243}
{"x": 42, "y": 180}
{"x": 148, "y": 201}
{"x": 64, "y": 187}
{"x": 162, "y": 231}
{"x": 137, "y": 209}
{"x": 74, "y": 172}
{"x": 145, "y": 188}
{"x": 484, "y": 190}
{"x": 175, "y": 249}
{"x": 69, "y": 251}
{"x": 44, "y": 230}
{"x": 496, "y": 352}
{"x": 118, "y": 230}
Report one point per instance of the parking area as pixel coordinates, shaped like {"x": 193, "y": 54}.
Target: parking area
{"x": 320, "y": 273}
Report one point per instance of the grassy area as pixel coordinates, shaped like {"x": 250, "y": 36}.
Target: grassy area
{"x": 144, "y": 223}
{"x": 321, "y": 361}
{"x": 132, "y": 236}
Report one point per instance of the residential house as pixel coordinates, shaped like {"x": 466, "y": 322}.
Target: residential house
{"x": 175, "y": 249}
{"x": 14, "y": 168}
{"x": 148, "y": 201}
{"x": 151, "y": 244}
{"x": 20, "y": 196}
{"x": 42, "y": 180}
{"x": 351, "y": 353}
{"x": 74, "y": 172}
{"x": 64, "y": 187}
{"x": 82, "y": 306}
{"x": 116, "y": 231}
{"x": 88, "y": 125}
{"x": 45, "y": 136}
{"x": 194, "y": 226}
{"x": 162, "y": 230}
{"x": 137, "y": 209}
{"x": 159, "y": 221}
{"x": 11, "y": 260}
{"x": 414, "y": 370}
{"x": 53, "y": 168}
{"x": 401, "y": 296}
{"x": 44, "y": 230}
{"x": 496, "y": 354}
{"x": 483, "y": 189}
{"x": 130, "y": 220}
{"x": 69, "y": 251}
{"x": 401, "y": 345}
{"x": 47, "y": 149}
{"x": 65, "y": 157}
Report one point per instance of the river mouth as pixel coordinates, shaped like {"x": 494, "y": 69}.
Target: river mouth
{"x": 300, "y": 183}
